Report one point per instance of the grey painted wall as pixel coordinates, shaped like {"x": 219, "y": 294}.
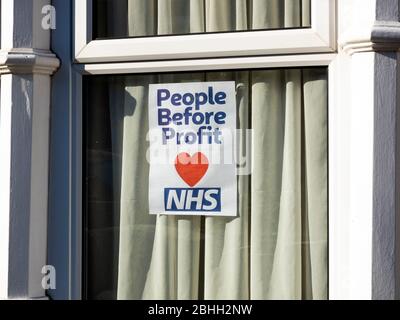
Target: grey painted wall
{"x": 60, "y": 166}
{"x": 385, "y": 176}
{"x": 387, "y": 10}
{"x": 385, "y": 278}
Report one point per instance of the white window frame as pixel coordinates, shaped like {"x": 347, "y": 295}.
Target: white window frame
{"x": 290, "y": 48}
{"x": 319, "y": 38}
{"x": 309, "y": 60}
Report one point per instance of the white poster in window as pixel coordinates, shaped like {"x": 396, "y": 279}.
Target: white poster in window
{"x": 191, "y": 134}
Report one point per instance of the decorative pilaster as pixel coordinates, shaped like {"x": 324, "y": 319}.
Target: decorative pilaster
{"x": 26, "y": 65}
{"x": 381, "y": 38}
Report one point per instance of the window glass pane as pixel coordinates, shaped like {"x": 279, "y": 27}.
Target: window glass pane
{"x": 135, "y": 18}
{"x": 277, "y": 246}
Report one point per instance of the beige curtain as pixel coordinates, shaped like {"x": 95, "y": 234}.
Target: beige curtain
{"x": 157, "y": 17}
{"x": 277, "y": 247}
{"x": 123, "y": 18}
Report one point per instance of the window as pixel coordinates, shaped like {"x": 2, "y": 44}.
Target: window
{"x": 319, "y": 37}
{"x": 150, "y": 18}
{"x": 277, "y": 247}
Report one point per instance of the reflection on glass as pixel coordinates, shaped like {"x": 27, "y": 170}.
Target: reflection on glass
{"x": 277, "y": 246}
{"x": 134, "y": 18}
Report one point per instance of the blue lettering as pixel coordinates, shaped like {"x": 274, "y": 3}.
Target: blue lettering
{"x": 177, "y": 119}
{"x": 220, "y": 98}
{"x": 167, "y": 134}
{"x": 164, "y": 117}
{"x": 188, "y": 99}
{"x": 210, "y": 95}
{"x": 162, "y": 95}
{"x": 201, "y": 100}
{"x": 176, "y": 99}
{"x": 195, "y": 199}
{"x": 220, "y": 117}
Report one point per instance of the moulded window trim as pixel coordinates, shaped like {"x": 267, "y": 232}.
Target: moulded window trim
{"x": 264, "y": 62}
{"x": 319, "y": 38}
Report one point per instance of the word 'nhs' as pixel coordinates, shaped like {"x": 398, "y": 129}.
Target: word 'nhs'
{"x": 199, "y": 199}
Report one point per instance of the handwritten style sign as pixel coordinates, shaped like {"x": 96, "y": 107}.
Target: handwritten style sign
{"x": 191, "y": 133}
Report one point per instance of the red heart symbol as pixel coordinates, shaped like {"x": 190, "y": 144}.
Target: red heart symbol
{"x": 191, "y": 169}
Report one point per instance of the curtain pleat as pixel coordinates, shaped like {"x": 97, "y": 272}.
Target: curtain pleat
{"x": 268, "y": 123}
{"x": 267, "y": 14}
{"x": 137, "y": 227}
{"x": 286, "y": 268}
{"x": 292, "y": 13}
{"x": 316, "y": 142}
{"x": 197, "y": 18}
{"x": 306, "y": 12}
{"x": 142, "y": 17}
